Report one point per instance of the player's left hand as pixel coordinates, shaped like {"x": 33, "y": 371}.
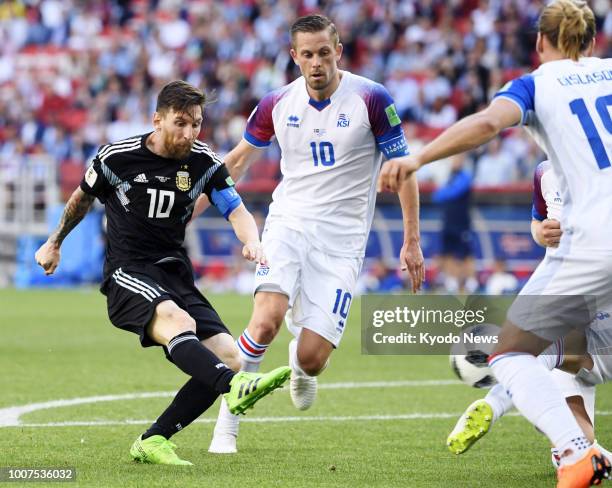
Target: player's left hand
{"x": 253, "y": 251}
{"x": 411, "y": 260}
{"x": 395, "y": 171}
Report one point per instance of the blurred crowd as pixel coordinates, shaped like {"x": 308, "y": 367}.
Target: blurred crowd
{"x": 77, "y": 74}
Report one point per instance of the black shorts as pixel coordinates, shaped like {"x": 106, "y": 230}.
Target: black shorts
{"x": 457, "y": 244}
{"x": 133, "y": 292}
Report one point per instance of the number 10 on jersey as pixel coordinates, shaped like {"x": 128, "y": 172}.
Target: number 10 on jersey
{"x": 323, "y": 153}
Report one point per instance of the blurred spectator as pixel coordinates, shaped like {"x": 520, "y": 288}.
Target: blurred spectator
{"x": 456, "y": 253}
{"x": 501, "y": 281}
{"x": 74, "y": 70}
{"x": 496, "y": 166}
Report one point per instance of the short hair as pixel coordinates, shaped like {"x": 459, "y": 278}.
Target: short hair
{"x": 314, "y": 23}
{"x": 569, "y": 25}
{"x": 179, "y": 96}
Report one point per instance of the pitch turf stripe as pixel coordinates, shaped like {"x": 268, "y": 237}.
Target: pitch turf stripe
{"x": 330, "y": 418}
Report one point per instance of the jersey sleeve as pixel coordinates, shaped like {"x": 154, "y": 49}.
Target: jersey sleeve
{"x": 221, "y": 191}
{"x": 520, "y": 91}
{"x": 260, "y": 126}
{"x": 385, "y": 122}
{"x": 538, "y": 209}
{"x": 96, "y": 180}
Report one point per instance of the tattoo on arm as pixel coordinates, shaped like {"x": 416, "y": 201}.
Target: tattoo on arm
{"x": 76, "y": 208}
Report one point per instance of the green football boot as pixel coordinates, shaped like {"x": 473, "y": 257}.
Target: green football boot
{"x": 156, "y": 450}
{"x": 471, "y": 426}
{"x": 248, "y": 388}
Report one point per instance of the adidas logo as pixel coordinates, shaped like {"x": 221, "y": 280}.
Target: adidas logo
{"x": 141, "y": 178}
{"x": 251, "y": 386}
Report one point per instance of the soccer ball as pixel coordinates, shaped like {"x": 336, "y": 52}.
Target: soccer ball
{"x": 468, "y": 358}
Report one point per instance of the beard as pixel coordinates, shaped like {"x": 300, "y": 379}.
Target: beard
{"x": 177, "y": 151}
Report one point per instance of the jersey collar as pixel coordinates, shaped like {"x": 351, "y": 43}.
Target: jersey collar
{"x": 320, "y": 105}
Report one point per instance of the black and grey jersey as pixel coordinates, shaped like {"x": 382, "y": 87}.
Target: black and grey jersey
{"x": 149, "y": 199}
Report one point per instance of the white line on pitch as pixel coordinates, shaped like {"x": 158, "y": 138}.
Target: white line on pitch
{"x": 10, "y": 416}
{"x": 360, "y": 418}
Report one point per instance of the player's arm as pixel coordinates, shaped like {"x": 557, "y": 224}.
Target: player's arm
{"x": 411, "y": 256}
{"x": 547, "y": 232}
{"x": 48, "y": 255}
{"x": 221, "y": 192}
{"x": 240, "y": 158}
{"x": 237, "y": 162}
{"x": 465, "y": 135}
{"x": 387, "y": 129}
{"x": 246, "y": 231}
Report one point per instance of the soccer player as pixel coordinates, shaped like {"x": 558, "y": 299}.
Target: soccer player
{"x": 478, "y": 418}
{"x": 333, "y": 128}
{"x": 149, "y": 185}
{"x": 565, "y": 105}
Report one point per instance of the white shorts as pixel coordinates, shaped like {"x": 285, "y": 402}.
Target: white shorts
{"x": 320, "y": 286}
{"x": 563, "y": 294}
{"x": 571, "y": 386}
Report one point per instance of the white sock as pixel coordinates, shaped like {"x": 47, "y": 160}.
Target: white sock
{"x": 500, "y": 401}
{"x": 227, "y": 422}
{"x": 552, "y": 357}
{"x": 536, "y": 395}
{"x": 605, "y": 452}
{"x": 293, "y": 359}
{"x": 588, "y": 397}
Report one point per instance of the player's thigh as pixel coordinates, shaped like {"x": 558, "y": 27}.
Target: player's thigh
{"x": 224, "y": 347}
{"x": 133, "y": 298}
{"x": 169, "y": 320}
{"x": 562, "y": 295}
{"x": 324, "y": 302}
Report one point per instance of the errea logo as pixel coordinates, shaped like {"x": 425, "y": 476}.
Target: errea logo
{"x": 293, "y": 121}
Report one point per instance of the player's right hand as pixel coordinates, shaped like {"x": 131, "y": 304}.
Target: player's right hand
{"x": 550, "y": 232}
{"x": 48, "y": 257}
{"x": 253, "y": 251}
{"x": 395, "y": 171}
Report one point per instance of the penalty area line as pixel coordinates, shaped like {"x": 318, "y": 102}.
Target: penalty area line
{"x": 10, "y": 416}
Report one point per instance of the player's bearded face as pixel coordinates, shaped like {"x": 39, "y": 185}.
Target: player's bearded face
{"x": 317, "y": 54}
{"x": 179, "y": 131}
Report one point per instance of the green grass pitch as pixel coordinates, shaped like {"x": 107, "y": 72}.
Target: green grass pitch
{"x": 59, "y": 345}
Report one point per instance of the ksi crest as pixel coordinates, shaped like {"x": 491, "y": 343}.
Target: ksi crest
{"x": 183, "y": 180}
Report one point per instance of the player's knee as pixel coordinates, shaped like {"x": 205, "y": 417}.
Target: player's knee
{"x": 178, "y": 321}
{"x": 231, "y": 358}
{"x": 264, "y": 326}
{"x": 312, "y": 362}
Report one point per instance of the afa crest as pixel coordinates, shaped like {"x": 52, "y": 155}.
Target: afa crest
{"x": 183, "y": 180}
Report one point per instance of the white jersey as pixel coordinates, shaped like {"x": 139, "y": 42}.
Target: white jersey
{"x": 566, "y": 108}
{"x": 331, "y": 155}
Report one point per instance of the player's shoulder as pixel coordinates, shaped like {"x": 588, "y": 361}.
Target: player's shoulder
{"x": 362, "y": 85}
{"x": 272, "y": 98}
{"x": 205, "y": 157}
{"x": 119, "y": 150}
{"x": 542, "y": 168}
